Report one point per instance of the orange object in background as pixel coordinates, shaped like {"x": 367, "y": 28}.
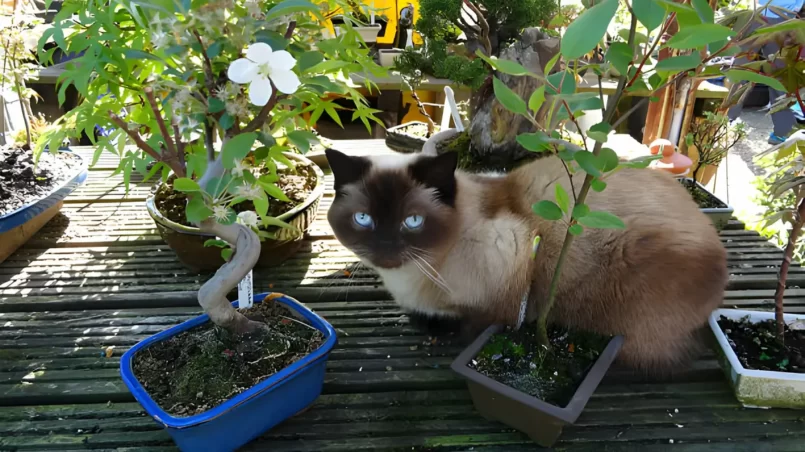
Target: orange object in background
{"x": 671, "y": 161}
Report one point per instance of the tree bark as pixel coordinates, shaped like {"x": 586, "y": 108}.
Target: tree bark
{"x": 493, "y": 130}
{"x": 246, "y": 243}
{"x": 779, "y": 293}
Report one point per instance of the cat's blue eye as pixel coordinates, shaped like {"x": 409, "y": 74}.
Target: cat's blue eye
{"x": 414, "y": 222}
{"x": 363, "y": 220}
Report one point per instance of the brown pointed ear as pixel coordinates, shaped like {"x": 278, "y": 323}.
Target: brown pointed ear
{"x": 346, "y": 169}
{"x": 439, "y": 173}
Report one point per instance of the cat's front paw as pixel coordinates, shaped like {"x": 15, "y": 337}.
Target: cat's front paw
{"x": 435, "y": 325}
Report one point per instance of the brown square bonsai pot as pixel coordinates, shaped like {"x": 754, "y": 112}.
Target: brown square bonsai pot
{"x": 541, "y": 421}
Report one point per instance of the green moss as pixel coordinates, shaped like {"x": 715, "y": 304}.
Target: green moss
{"x": 516, "y": 359}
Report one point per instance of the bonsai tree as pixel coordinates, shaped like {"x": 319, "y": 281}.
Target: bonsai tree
{"x": 558, "y": 97}
{"x": 713, "y": 137}
{"x": 17, "y": 47}
{"x": 194, "y": 86}
{"x": 454, "y": 31}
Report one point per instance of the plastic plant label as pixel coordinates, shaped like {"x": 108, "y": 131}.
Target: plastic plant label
{"x": 246, "y": 291}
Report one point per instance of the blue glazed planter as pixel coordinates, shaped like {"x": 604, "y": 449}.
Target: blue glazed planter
{"x": 246, "y": 416}
{"x": 26, "y": 213}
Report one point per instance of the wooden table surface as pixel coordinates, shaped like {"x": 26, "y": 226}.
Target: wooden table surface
{"x": 99, "y": 275}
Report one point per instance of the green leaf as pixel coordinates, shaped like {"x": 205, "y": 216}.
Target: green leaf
{"x": 227, "y": 121}
{"x": 620, "y": 56}
{"x": 588, "y": 163}
{"x": 697, "y": 36}
{"x": 309, "y": 59}
{"x": 608, "y": 159}
{"x": 584, "y": 33}
{"x": 197, "y": 211}
{"x": 547, "y": 210}
{"x": 600, "y": 132}
{"x": 226, "y": 254}
{"x": 272, "y": 190}
{"x": 740, "y": 75}
{"x": 565, "y": 81}
{"x": 534, "y": 142}
{"x": 702, "y": 7}
{"x": 216, "y": 242}
{"x": 134, "y": 54}
{"x": 215, "y": 105}
{"x": 562, "y": 199}
{"x": 679, "y": 63}
{"x": 649, "y": 13}
{"x": 293, "y": 6}
{"x": 508, "y": 98}
{"x": 261, "y": 205}
{"x": 576, "y": 229}
{"x": 302, "y": 139}
{"x": 237, "y": 148}
{"x": 504, "y": 66}
{"x": 185, "y": 184}
{"x": 601, "y": 220}
{"x": 685, "y": 14}
{"x": 580, "y": 210}
{"x": 537, "y": 99}
{"x": 215, "y": 48}
{"x": 598, "y": 185}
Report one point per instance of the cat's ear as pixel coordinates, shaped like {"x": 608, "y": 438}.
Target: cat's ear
{"x": 346, "y": 169}
{"x": 439, "y": 173}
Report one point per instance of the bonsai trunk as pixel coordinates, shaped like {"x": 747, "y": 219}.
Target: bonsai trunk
{"x": 779, "y": 293}
{"x": 212, "y": 295}
{"x": 493, "y": 129}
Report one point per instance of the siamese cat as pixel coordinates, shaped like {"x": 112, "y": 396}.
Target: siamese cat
{"x": 458, "y": 246}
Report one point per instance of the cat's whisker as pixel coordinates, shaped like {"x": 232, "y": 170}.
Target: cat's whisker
{"x": 435, "y": 278}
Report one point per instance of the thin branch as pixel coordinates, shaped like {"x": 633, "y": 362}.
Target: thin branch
{"x": 209, "y": 132}
{"x": 261, "y": 117}
{"x": 570, "y": 178}
{"x": 208, "y": 74}
{"x": 166, "y": 138}
{"x": 138, "y": 140}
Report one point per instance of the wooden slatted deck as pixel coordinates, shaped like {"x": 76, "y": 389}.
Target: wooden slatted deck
{"x": 99, "y": 275}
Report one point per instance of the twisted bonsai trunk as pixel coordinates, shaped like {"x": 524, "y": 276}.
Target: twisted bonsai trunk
{"x": 212, "y": 295}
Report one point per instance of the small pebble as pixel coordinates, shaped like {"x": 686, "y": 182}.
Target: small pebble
{"x": 532, "y": 365}
{"x": 676, "y": 410}
{"x": 496, "y": 357}
{"x": 670, "y": 441}
{"x": 200, "y": 394}
{"x": 388, "y": 368}
{"x": 360, "y": 369}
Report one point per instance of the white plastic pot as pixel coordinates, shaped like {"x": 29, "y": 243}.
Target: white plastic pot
{"x": 430, "y": 146}
{"x": 757, "y": 388}
{"x": 387, "y": 57}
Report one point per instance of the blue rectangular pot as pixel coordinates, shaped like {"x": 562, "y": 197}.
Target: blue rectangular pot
{"x": 247, "y": 415}
{"x": 26, "y": 213}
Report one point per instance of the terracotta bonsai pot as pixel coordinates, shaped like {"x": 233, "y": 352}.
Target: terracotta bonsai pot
{"x": 188, "y": 242}
{"x": 541, "y": 421}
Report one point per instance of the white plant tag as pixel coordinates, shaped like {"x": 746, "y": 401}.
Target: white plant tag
{"x": 245, "y": 291}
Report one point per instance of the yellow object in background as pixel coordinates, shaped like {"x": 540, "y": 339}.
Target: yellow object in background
{"x": 390, "y": 9}
{"x": 413, "y": 113}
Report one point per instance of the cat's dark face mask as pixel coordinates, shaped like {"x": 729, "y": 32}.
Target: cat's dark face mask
{"x": 389, "y": 216}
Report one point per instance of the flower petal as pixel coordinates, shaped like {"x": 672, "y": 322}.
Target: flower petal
{"x": 260, "y": 91}
{"x": 242, "y": 71}
{"x": 281, "y": 60}
{"x": 286, "y": 81}
{"x": 259, "y": 52}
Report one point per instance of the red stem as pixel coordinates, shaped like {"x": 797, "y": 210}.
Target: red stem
{"x": 783, "y": 276}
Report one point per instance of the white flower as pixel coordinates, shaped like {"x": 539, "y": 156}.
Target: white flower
{"x": 160, "y": 39}
{"x": 260, "y": 68}
{"x": 249, "y": 191}
{"x": 220, "y": 212}
{"x": 254, "y": 8}
{"x": 240, "y": 167}
{"x": 248, "y": 218}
